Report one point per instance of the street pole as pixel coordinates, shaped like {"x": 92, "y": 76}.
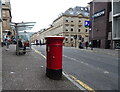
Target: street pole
{"x": 112, "y": 27}
{"x": 75, "y": 37}
{"x": 30, "y": 43}
{"x": 75, "y": 42}
{"x": 92, "y": 26}
{"x": 17, "y": 47}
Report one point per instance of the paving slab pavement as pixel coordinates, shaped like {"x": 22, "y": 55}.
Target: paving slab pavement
{"x": 28, "y": 72}
{"x": 0, "y": 68}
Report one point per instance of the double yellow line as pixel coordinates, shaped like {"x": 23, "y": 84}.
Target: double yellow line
{"x": 82, "y": 84}
{"x": 39, "y": 53}
{"x": 72, "y": 77}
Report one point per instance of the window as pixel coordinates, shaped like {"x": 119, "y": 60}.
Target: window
{"x": 79, "y": 30}
{"x": 66, "y": 39}
{"x": 80, "y": 20}
{"x": 72, "y": 28}
{"x": 66, "y": 28}
{"x": 86, "y": 30}
{"x": 116, "y": 7}
{"x": 66, "y": 19}
{"x": 86, "y": 9}
{"x": 4, "y": 23}
{"x": 116, "y": 27}
{"x": 72, "y": 19}
{"x": 81, "y": 9}
{"x": 71, "y": 39}
{"x": 80, "y": 37}
{"x": 3, "y": 13}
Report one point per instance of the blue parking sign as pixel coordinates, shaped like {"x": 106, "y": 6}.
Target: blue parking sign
{"x": 87, "y": 23}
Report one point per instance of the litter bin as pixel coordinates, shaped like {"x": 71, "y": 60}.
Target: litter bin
{"x": 54, "y": 56}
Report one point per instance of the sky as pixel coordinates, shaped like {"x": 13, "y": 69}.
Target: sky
{"x": 43, "y": 12}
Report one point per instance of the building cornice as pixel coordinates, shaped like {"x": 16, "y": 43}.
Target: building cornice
{"x": 68, "y": 15}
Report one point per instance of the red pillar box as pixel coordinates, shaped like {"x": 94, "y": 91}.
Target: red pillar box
{"x": 54, "y": 56}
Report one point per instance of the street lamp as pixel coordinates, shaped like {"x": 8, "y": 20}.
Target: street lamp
{"x": 75, "y": 37}
{"x": 92, "y": 26}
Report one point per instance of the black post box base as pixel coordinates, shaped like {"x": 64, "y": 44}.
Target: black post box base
{"x": 55, "y": 74}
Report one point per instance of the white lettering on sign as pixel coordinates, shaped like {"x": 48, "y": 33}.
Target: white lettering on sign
{"x": 98, "y": 14}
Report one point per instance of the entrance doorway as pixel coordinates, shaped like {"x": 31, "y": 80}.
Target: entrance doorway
{"x": 96, "y": 43}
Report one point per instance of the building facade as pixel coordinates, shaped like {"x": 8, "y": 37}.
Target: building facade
{"x": 0, "y": 21}
{"x": 71, "y": 25}
{"x": 35, "y": 37}
{"x": 6, "y": 16}
{"x": 101, "y": 24}
{"x": 116, "y": 24}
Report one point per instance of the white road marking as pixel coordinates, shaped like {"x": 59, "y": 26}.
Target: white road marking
{"x": 12, "y": 72}
{"x": 82, "y": 62}
{"x": 83, "y": 88}
{"x": 75, "y": 83}
{"x": 86, "y": 63}
{"x": 106, "y": 72}
{"x": 75, "y": 60}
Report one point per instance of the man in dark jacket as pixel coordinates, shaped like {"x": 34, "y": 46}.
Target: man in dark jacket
{"x": 20, "y": 44}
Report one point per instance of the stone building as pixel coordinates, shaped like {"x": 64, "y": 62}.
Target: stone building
{"x": 71, "y": 25}
{"x": 0, "y": 21}
{"x": 35, "y": 37}
{"x": 6, "y": 16}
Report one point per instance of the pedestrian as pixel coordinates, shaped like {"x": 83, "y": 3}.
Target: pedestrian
{"x": 81, "y": 45}
{"x": 91, "y": 45}
{"x": 86, "y": 44}
{"x": 37, "y": 42}
{"x": 7, "y": 42}
{"x": 40, "y": 43}
{"x": 20, "y": 44}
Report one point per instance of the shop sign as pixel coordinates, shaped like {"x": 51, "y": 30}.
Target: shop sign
{"x": 98, "y": 14}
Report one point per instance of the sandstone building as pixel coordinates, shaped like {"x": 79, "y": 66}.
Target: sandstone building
{"x": 71, "y": 25}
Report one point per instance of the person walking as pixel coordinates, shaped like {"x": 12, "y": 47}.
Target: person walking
{"x": 7, "y": 41}
{"x": 86, "y": 44}
{"x": 40, "y": 43}
{"x": 81, "y": 45}
{"x": 91, "y": 45}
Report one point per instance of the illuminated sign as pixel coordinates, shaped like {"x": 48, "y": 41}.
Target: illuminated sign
{"x": 98, "y": 14}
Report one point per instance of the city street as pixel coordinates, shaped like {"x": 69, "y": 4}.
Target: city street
{"x": 28, "y": 72}
{"x": 88, "y": 61}
{"x": 97, "y": 69}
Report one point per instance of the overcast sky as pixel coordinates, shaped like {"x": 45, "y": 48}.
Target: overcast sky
{"x": 41, "y": 11}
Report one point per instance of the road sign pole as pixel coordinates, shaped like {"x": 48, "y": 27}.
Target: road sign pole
{"x": 17, "y": 47}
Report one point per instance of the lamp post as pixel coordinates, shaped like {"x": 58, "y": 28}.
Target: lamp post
{"x": 92, "y": 26}
{"x": 75, "y": 37}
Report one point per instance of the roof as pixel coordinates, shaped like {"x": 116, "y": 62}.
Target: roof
{"x": 77, "y": 11}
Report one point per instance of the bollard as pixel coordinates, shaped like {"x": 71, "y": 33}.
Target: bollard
{"x": 54, "y": 57}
